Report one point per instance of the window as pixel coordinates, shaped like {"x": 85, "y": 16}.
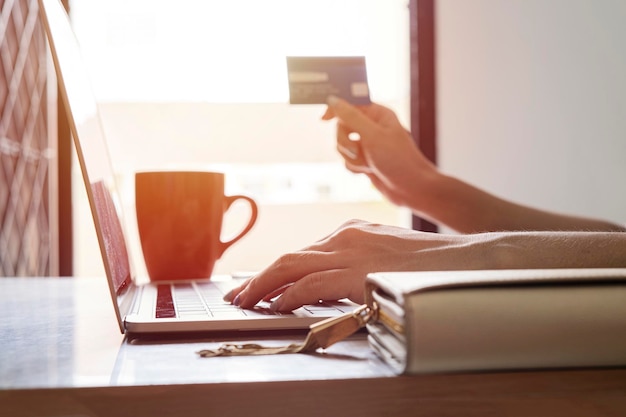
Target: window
{"x": 202, "y": 84}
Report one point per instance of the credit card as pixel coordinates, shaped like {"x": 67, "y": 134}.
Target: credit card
{"x": 312, "y": 79}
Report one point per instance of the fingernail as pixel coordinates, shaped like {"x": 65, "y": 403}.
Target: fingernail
{"x": 237, "y": 300}
{"x": 332, "y": 100}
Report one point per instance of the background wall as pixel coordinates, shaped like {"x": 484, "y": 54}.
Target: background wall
{"x": 532, "y": 100}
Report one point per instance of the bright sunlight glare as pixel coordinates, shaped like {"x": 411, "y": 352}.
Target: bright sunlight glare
{"x": 234, "y": 51}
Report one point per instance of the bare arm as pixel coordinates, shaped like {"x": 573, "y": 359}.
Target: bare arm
{"x": 467, "y": 209}
{"x": 387, "y": 154}
{"x": 336, "y": 266}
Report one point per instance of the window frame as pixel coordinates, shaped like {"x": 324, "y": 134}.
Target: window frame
{"x": 423, "y": 87}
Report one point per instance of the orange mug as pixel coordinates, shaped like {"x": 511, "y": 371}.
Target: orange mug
{"x": 179, "y": 218}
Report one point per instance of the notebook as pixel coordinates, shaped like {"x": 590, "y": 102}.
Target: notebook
{"x": 486, "y": 320}
{"x": 181, "y": 306}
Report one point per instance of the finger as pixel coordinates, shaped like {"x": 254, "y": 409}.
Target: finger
{"x": 329, "y": 114}
{"x": 321, "y": 246}
{"x": 287, "y": 269}
{"x": 352, "y": 116}
{"x": 357, "y": 168}
{"x": 349, "y": 149}
{"x": 230, "y": 295}
{"x": 346, "y": 142}
{"x": 276, "y": 293}
{"x": 325, "y": 285}
{"x": 351, "y": 152}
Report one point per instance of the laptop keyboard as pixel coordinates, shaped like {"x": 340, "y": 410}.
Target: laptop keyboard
{"x": 205, "y": 299}
{"x": 165, "y": 304}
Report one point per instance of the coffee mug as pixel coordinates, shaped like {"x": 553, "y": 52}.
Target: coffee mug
{"x": 179, "y": 219}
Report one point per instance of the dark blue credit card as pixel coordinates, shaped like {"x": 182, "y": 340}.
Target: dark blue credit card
{"x": 313, "y": 78}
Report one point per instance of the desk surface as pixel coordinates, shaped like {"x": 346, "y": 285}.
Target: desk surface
{"x": 63, "y": 354}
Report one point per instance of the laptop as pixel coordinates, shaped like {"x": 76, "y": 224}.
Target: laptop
{"x": 180, "y": 306}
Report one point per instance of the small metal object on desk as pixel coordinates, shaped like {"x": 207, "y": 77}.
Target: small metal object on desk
{"x": 321, "y": 335}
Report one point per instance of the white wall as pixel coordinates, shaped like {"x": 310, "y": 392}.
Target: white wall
{"x": 532, "y": 100}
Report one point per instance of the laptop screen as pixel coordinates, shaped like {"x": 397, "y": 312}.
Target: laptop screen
{"x": 89, "y": 139}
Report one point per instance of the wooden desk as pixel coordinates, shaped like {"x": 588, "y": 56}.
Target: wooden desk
{"x": 62, "y": 355}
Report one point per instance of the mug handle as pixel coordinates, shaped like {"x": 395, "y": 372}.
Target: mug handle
{"x": 229, "y": 200}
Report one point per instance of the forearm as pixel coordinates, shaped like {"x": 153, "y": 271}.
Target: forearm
{"x": 553, "y": 250}
{"x": 467, "y": 209}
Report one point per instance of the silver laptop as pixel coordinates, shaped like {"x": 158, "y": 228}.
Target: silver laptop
{"x": 181, "y": 306}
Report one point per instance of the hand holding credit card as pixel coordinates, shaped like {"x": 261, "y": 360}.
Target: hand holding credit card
{"x": 313, "y": 79}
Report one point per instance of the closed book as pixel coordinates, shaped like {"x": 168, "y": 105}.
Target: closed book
{"x": 485, "y": 320}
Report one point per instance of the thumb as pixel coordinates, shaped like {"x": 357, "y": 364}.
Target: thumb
{"x": 350, "y": 115}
